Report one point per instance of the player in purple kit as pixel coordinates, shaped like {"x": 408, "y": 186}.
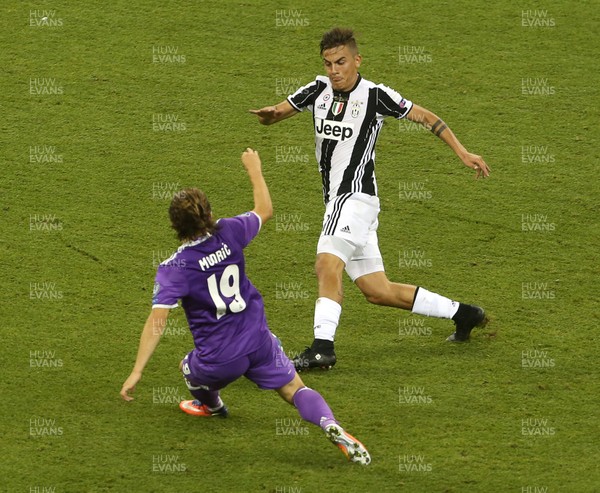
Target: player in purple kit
{"x": 226, "y": 314}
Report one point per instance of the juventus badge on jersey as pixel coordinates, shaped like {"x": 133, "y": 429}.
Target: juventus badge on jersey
{"x": 355, "y": 108}
{"x": 337, "y": 107}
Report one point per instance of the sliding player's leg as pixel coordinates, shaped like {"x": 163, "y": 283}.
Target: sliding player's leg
{"x": 204, "y": 381}
{"x": 313, "y": 408}
{"x": 271, "y": 369}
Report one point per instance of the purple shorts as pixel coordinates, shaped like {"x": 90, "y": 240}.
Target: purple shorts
{"x": 268, "y": 367}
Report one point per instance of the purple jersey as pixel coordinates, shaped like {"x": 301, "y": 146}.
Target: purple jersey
{"x": 224, "y": 310}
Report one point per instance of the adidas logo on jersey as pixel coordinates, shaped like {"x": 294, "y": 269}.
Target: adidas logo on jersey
{"x": 321, "y": 106}
{"x": 329, "y": 129}
{"x": 345, "y": 229}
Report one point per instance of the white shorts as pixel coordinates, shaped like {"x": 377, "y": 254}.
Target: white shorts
{"x": 350, "y": 233}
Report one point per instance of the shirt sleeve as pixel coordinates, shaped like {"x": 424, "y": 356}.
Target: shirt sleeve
{"x": 391, "y": 103}
{"x": 243, "y": 228}
{"x": 170, "y": 285}
{"x": 304, "y": 98}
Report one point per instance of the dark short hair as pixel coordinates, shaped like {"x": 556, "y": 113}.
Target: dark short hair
{"x": 191, "y": 215}
{"x": 339, "y": 36}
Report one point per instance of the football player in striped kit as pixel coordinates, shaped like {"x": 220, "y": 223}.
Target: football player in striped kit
{"x": 348, "y": 113}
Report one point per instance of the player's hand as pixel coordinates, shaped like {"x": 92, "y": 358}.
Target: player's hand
{"x": 129, "y": 385}
{"x": 265, "y": 115}
{"x": 251, "y": 160}
{"x": 477, "y": 163}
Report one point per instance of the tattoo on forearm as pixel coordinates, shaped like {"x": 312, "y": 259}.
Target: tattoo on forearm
{"x": 438, "y": 127}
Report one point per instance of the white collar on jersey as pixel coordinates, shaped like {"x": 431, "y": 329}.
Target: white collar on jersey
{"x": 195, "y": 242}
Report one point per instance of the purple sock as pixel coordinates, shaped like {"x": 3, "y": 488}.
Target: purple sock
{"x": 209, "y": 397}
{"x": 313, "y": 408}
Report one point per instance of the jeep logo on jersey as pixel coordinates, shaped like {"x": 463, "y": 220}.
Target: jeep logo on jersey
{"x": 329, "y": 129}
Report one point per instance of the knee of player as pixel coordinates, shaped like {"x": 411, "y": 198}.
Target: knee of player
{"x": 320, "y": 265}
{"x": 328, "y": 265}
{"x": 374, "y": 298}
{"x": 325, "y": 272}
{"x": 378, "y": 295}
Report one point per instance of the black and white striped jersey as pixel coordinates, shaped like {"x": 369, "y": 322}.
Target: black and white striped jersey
{"x": 347, "y": 125}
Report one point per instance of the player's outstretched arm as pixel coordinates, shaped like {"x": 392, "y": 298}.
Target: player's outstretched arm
{"x": 262, "y": 198}
{"x": 155, "y": 325}
{"x": 437, "y": 126}
{"x": 273, "y": 114}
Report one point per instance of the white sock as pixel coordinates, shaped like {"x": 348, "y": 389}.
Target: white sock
{"x": 327, "y": 317}
{"x": 434, "y": 305}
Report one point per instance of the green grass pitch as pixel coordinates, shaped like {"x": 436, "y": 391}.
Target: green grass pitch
{"x": 109, "y": 107}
